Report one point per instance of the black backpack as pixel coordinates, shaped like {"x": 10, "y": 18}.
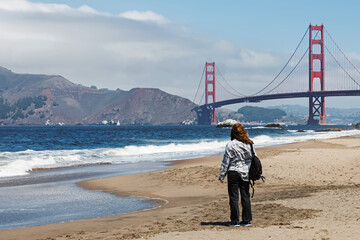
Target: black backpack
{"x": 255, "y": 171}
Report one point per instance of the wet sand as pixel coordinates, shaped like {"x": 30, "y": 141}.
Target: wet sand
{"x": 312, "y": 192}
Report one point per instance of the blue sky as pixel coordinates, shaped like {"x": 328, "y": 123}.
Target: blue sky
{"x": 164, "y": 44}
{"x": 260, "y": 24}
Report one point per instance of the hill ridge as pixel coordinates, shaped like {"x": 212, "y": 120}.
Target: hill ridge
{"x": 68, "y": 103}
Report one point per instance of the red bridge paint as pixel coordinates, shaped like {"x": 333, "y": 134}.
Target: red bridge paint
{"x": 316, "y": 92}
{"x": 210, "y": 88}
{"x": 316, "y": 103}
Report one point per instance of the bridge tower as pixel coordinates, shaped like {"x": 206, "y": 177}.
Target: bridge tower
{"x": 206, "y": 112}
{"x": 210, "y": 88}
{"x": 317, "y": 56}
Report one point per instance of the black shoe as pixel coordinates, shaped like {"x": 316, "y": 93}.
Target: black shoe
{"x": 234, "y": 224}
{"x": 245, "y": 223}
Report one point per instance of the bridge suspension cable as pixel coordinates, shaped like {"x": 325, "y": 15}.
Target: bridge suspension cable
{"x": 303, "y": 79}
{"x": 337, "y": 46}
{"x": 218, "y": 82}
{"x": 292, "y": 70}
{"x": 286, "y": 64}
{"x": 239, "y": 94}
{"x": 338, "y": 63}
{"x": 295, "y": 78}
{"x": 202, "y": 76}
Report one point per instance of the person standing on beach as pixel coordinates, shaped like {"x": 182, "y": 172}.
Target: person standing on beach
{"x": 236, "y": 164}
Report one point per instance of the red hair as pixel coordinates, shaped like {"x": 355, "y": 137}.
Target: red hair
{"x": 238, "y": 132}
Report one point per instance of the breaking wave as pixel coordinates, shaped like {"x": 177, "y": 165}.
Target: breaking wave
{"x": 22, "y": 162}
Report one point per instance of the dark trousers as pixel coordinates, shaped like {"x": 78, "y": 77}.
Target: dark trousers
{"x": 234, "y": 184}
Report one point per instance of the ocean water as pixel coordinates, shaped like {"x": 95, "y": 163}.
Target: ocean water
{"x": 30, "y": 198}
{"x": 25, "y": 148}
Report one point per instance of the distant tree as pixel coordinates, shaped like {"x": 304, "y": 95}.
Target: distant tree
{"x": 26, "y": 102}
{"x": 23, "y": 103}
{"x": 18, "y": 114}
{"x": 93, "y": 87}
{"x": 40, "y": 101}
{"x": 5, "y": 108}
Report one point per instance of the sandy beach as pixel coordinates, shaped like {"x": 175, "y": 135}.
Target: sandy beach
{"x": 312, "y": 192}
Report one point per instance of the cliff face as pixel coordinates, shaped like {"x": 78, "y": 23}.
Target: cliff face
{"x": 147, "y": 106}
{"x": 37, "y": 99}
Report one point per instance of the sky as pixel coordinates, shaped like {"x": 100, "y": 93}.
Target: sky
{"x": 165, "y": 43}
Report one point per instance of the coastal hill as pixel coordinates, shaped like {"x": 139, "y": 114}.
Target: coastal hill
{"x": 52, "y": 99}
{"x": 288, "y": 114}
{"x": 260, "y": 114}
{"x": 252, "y": 114}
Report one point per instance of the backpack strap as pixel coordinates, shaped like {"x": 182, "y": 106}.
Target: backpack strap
{"x": 252, "y": 184}
{"x": 252, "y": 150}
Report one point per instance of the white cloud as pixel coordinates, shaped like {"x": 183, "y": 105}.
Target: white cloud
{"x": 127, "y": 50}
{"x": 257, "y": 59}
{"x": 353, "y": 57}
{"x": 25, "y": 6}
{"x": 249, "y": 59}
{"x": 144, "y": 16}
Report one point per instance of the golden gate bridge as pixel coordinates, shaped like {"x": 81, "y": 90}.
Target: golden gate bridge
{"x": 303, "y": 76}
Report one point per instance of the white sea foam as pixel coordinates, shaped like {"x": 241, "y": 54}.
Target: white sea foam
{"x": 297, "y": 131}
{"x": 257, "y": 127}
{"x": 20, "y": 163}
{"x": 169, "y": 148}
{"x": 264, "y": 140}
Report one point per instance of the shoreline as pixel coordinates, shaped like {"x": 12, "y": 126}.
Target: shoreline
{"x": 13, "y": 166}
{"x": 197, "y": 202}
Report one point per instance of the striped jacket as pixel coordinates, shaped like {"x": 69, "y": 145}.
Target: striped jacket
{"x": 237, "y": 158}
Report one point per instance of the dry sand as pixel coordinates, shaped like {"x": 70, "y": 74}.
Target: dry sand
{"x": 312, "y": 192}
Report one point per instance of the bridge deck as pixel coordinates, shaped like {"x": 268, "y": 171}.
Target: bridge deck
{"x": 282, "y": 96}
